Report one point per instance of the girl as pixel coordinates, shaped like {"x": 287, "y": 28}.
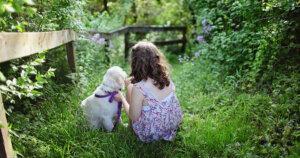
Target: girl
{"x": 151, "y": 103}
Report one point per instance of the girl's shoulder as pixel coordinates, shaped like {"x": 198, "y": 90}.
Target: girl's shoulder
{"x": 140, "y": 86}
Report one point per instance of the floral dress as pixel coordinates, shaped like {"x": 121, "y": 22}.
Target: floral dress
{"x": 160, "y": 118}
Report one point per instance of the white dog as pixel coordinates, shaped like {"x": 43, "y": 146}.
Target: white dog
{"x": 99, "y": 111}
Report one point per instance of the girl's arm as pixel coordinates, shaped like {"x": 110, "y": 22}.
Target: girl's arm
{"x": 133, "y": 110}
{"x": 136, "y": 99}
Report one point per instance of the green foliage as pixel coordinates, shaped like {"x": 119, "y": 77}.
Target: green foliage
{"x": 28, "y": 82}
{"x": 219, "y": 120}
{"x": 223, "y": 120}
{"x": 256, "y": 38}
{"x": 161, "y": 12}
{"x": 239, "y": 93}
{"x": 25, "y": 15}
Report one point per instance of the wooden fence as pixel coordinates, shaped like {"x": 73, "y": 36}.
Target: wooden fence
{"x": 17, "y": 45}
{"x": 134, "y": 29}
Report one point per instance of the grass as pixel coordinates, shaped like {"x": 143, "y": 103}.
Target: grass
{"x": 219, "y": 121}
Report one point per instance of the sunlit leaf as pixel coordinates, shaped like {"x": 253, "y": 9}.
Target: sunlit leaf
{"x": 4, "y": 88}
{"x": 29, "y": 2}
{"x": 2, "y": 9}
{"x": 9, "y": 8}
{"x": 20, "y": 28}
{"x": 1, "y": 125}
{"x": 2, "y": 77}
{"x": 42, "y": 55}
{"x": 30, "y": 11}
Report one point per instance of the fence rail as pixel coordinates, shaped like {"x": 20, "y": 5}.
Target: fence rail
{"x": 135, "y": 29}
{"x": 17, "y": 45}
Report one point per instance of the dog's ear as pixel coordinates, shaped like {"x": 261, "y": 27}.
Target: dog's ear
{"x": 115, "y": 78}
{"x": 121, "y": 79}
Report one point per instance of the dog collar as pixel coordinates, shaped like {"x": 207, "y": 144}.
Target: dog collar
{"x": 110, "y": 95}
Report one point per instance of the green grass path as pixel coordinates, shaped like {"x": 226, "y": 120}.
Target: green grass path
{"x": 217, "y": 121}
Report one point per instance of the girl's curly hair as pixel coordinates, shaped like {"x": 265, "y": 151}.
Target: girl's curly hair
{"x": 148, "y": 61}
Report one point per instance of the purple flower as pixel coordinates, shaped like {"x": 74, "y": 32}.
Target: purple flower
{"x": 284, "y": 154}
{"x": 76, "y": 43}
{"x": 208, "y": 27}
{"x": 200, "y": 38}
{"x": 192, "y": 64}
{"x": 203, "y": 22}
{"x": 197, "y": 54}
{"x": 95, "y": 37}
{"x": 266, "y": 144}
{"x": 206, "y": 31}
{"x": 101, "y": 41}
{"x": 111, "y": 46}
{"x": 213, "y": 34}
{"x": 180, "y": 60}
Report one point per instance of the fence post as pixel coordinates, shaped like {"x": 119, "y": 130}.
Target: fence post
{"x": 184, "y": 40}
{"x": 6, "y": 150}
{"x": 71, "y": 56}
{"x": 126, "y": 45}
{"x": 106, "y": 47}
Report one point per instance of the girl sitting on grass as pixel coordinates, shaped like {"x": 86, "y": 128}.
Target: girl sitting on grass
{"x": 151, "y": 103}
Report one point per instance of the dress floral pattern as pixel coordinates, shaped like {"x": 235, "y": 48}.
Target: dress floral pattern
{"x": 160, "y": 118}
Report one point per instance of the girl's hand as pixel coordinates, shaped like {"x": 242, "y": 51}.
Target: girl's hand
{"x": 128, "y": 81}
{"x": 119, "y": 97}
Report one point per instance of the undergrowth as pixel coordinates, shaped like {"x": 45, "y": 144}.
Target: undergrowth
{"x": 219, "y": 120}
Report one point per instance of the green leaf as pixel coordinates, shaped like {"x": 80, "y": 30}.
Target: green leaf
{"x": 2, "y": 9}
{"x": 1, "y": 125}
{"x": 42, "y": 55}
{"x": 30, "y": 11}
{"x": 4, "y": 88}
{"x": 2, "y": 77}
{"x": 35, "y": 92}
{"x": 9, "y": 8}
{"x": 20, "y": 28}
{"x": 38, "y": 77}
{"x": 29, "y": 2}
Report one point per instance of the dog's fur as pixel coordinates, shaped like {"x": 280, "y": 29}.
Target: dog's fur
{"x": 99, "y": 111}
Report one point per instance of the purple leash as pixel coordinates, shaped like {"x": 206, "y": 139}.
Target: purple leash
{"x": 111, "y": 99}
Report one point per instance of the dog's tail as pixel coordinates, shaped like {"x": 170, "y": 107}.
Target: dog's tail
{"x": 84, "y": 102}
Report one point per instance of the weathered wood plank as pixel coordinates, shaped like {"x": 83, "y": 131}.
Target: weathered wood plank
{"x": 15, "y": 45}
{"x": 6, "y": 150}
{"x": 112, "y": 34}
{"x": 127, "y": 29}
{"x": 155, "y": 28}
{"x": 161, "y": 43}
{"x": 123, "y": 30}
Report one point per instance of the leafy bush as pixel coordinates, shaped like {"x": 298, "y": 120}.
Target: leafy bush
{"x": 257, "y": 38}
{"x": 223, "y": 120}
{"x": 28, "y": 82}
